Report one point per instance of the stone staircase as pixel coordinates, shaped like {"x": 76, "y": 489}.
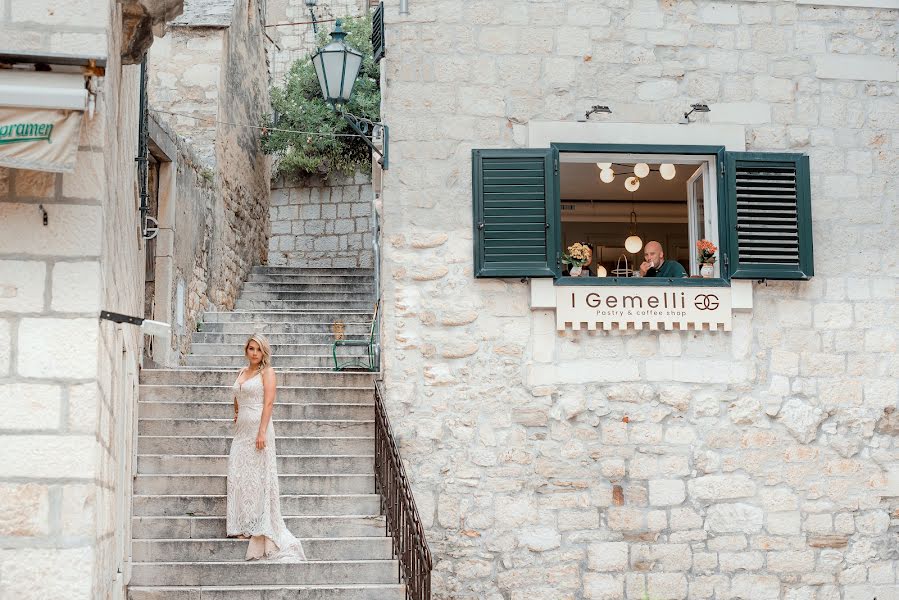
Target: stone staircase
{"x": 324, "y": 424}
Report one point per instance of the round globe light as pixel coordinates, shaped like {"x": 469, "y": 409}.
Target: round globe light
{"x": 632, "y": 184}
{"x": 604, "y": 166}
{"x": 601, "y": 271}
{"x": 633, "y": 244}
{"x": 607, "y": 176}
{"x": 641, "y": 170}
{"x": 667, "y": 171}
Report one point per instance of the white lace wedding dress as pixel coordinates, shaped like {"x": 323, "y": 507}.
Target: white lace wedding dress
{"x": 254, "y": 501}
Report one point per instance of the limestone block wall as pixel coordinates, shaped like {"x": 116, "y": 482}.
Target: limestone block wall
{"x": 761, "y": 463}
{"x": 68, "y": 382}
{"x": 318, "y": 223}
{"x": 217, "y": 217}
{"x": 297, "y": 41}
{"x": 183, "y": 84}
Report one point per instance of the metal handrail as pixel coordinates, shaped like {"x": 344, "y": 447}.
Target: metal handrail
{"x": 403, "y": 522}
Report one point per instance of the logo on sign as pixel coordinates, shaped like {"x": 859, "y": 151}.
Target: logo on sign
{"x": 706, "y": 302}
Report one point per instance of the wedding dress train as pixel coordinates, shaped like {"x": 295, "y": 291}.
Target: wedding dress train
{"x": 254, "y": 500}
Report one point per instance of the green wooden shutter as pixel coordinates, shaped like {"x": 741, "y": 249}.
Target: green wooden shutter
{"x": 769, "y": 211}
{"x": 516, "y": 212}
{"x": 377, "y": 32}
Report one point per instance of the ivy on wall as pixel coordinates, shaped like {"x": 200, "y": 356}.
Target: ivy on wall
{"x": 299, "y": 107}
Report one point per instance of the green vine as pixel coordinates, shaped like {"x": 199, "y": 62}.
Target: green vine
{"x": 299, "y": 106}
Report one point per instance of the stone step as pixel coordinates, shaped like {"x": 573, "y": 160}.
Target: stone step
{"x": 307, "y": 526}
{"x": 294, "y": 305}
{"x": 314, "y": 293}
{"x": 283, "y": 410}
{"x": 186, "y": 464}
{"x": 200, "y": 505}
{"x": 363, "y": 286}
{"x": 278, "y": 350}
{"x": 326, "y": 271}
{"x": 290, "y": 484}
{"x": 286, "y": 377}
{"x": 348, "y": 317}
{"x": 298, "y": 333}
{"x": 271, "y": 592}
{"x": 286, "y": 394}
{"x": 280, "y": 339}
{"x": 317, "y": 549}
{"x": 255, "y": 572}
{"x": 219, "y": 445}
{"x": 283, "y": 427}
{"x": 310, "y": 279}
{"x": 283, "y": 361}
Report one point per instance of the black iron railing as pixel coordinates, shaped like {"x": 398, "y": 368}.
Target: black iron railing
{"x": 397, "y": 503}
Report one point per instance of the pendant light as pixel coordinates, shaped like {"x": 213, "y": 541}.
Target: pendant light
{"x": 641, "y": 170}
{"x": 667, "y": 171}
{"x": 607, "y": 175}
{"x": 633, "y": 243}
{"x": 632, "y": 184}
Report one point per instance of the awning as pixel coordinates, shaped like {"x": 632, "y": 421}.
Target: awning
{"x": 40, "y": 119}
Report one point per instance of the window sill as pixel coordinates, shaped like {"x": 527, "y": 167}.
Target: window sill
{"x": 643, "y": 281}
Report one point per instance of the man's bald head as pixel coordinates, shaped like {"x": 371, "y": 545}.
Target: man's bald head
{"x": 653, "y": 253}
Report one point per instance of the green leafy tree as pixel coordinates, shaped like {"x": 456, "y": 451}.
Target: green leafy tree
{"x": 299, "y": 106}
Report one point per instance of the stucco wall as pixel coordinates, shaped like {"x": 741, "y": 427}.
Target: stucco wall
{"x": 761, "y": 463}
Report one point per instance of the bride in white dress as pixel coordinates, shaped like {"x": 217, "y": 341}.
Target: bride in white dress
{"x": 254, "y": 500}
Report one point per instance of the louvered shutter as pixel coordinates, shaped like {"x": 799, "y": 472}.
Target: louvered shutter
{"x": 377, "y": 32}
{"x": 769, "y": 211}
{"x": 516, "y": 212}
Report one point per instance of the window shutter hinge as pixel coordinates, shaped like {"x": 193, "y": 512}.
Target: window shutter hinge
{"x": 481, "y": 225}
{"x": 723, "y": 168}
{"x": 556, "y": 166}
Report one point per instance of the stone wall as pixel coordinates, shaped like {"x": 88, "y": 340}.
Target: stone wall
{"x": 68, "y": 382}
{"x": 319, "y": 223}
{"x": 296, "y": 41}
{"x": 216, "y": 226}
{"x": 761, "y": 463}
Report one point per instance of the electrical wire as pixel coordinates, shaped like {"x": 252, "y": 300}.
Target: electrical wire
{"x": 263, "y": 128}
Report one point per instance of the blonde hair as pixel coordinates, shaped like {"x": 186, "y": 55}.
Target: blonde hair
{"x": 264, "y": 346}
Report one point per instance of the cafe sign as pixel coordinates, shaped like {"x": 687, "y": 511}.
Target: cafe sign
{"x": 623, "y": 307}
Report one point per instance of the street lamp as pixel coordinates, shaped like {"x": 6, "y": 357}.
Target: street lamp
{"x": 311, "y": 4}
{"x": 337, "y": 66}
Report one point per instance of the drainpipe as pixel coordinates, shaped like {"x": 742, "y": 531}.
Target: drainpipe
{"x": 404, "y": 7}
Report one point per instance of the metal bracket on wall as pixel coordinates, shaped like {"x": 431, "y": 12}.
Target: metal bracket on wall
{"x": 363, "y": 127}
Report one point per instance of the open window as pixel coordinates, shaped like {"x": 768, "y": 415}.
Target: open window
{"x": 618, "y": 203}
{"x": 531, "y": 204}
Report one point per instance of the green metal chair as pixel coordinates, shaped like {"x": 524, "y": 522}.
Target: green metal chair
{"x": 360, "y": 362}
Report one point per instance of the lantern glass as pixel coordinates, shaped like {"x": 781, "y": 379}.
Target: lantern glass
{"x": 337, "y": 66}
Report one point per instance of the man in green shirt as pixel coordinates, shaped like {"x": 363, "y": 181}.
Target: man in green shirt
{"x": 655, "y": 265}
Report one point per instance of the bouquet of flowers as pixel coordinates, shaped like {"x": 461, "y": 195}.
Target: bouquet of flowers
{"x": 577, "y": 256}
{"x": 707, "y": 252}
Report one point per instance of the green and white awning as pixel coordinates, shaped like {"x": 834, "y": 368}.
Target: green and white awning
{"x": 40, "y": 119}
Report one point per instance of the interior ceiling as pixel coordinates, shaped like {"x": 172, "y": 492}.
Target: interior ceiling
{"x": 580, "y": 181}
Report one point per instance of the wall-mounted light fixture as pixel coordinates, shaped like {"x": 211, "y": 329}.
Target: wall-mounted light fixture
{"x": 598, "y": 108}
{"x": 311, "y": 4}
{"x": 147, "y": 326}
{"x": 700, "y": 108}
{"x": 337, "y": 67}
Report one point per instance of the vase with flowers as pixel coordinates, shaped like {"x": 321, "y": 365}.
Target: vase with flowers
{"x": 576, "y": 257}
{"x": 707, "y": 257}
